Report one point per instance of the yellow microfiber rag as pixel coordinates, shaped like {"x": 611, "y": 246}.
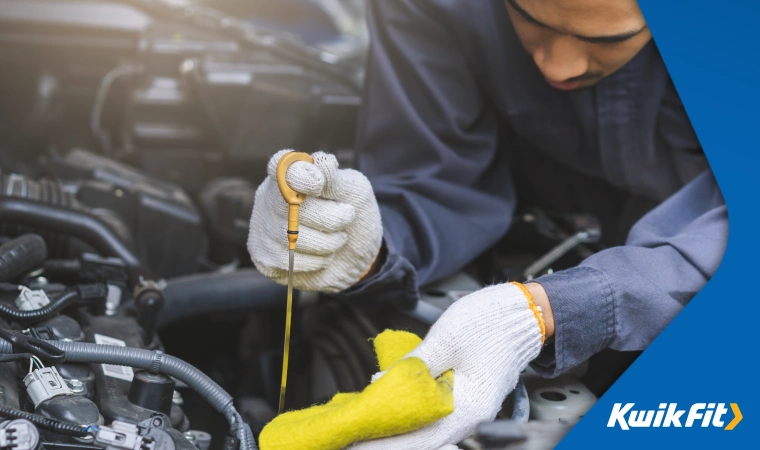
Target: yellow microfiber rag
{"x": 405, "y": 399}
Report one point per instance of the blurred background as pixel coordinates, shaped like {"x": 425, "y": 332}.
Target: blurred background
{"x": 184, "y": 93}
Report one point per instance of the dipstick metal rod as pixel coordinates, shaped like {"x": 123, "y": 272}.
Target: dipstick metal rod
{"x": 288, "y": 320}
{"x": 294, "y": 200}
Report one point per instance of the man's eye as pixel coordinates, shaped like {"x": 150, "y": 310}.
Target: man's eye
{"x": 603, "y": 43}
{"x": 609, "y": 44}
{"x": 531, "y": 22}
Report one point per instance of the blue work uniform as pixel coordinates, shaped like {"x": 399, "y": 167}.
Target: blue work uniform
{"x": 456, "y": 112}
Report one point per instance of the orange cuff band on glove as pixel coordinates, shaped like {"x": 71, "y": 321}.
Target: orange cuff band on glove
{"x": 536, "y": 310}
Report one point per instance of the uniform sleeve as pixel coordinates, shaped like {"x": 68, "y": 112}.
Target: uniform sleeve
{"x": 623, "y": 297}
{"x": 428, "y": 141}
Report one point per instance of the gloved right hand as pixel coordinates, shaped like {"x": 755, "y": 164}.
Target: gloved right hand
{"x": 340, "y": 231}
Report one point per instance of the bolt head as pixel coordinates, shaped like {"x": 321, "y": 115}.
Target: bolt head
{"x": 177, "y": 398}
{"x": 76, "y": 386}
{"x": 190, "y": 436}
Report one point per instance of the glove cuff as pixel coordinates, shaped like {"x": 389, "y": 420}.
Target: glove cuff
{"x": 536, "y": 309}
{"x": 371, "y": 265}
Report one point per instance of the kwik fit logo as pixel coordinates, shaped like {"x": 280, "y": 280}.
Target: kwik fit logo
{"x": 669, "y": 415}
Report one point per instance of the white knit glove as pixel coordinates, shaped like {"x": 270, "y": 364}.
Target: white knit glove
{"x": 487, "y": 338}
{"x": 340, "y": 232}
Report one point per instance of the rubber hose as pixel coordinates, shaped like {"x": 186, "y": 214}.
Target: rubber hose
{"x": 199, "y": 294}
{"x": 66, "y": 267}
{"x": 80, "y": 224}
{"x": 21, "y": 255}
{"x": 56, "y": 426}
{"x": 156, "y": 361}
{"x": 67, "y": 299}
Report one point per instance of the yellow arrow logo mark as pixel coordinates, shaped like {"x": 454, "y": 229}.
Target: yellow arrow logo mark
{"x": 737, "y": 417}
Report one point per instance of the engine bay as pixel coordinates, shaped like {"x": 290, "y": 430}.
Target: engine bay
{"x": 132, "y": 139}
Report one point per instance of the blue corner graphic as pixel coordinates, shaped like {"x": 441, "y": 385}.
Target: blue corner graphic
{"x": 708, "y": 354}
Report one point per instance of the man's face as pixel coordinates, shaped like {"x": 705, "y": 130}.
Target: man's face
{"x": 576, "y": 43}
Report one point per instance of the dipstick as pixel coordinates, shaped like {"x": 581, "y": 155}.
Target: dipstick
{"x": 294, "y": 200}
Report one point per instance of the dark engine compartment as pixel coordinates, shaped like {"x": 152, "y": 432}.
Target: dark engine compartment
{"x": 132, "y": 136}
{"x": 185, "y": 92}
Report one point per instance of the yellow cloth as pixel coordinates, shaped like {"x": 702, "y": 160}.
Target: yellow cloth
{"x": 405, "y": 399}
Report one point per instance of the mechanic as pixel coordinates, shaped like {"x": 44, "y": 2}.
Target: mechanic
{"x": 470, "y": 107}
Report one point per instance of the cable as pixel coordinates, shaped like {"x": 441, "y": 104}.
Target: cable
{"x": 13, "y": 357}
{"x": 36, "y": 362}
{"x": 56, "y": 426}
{"x": 67, "y": 299}
{"x": 157, "y": 361}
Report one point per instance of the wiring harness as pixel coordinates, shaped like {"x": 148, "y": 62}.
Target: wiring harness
{"x": 56, "y": 426}
{"x": 155, "y": 361}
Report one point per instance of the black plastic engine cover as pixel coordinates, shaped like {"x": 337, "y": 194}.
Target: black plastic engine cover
{"x": 162, "y": 222}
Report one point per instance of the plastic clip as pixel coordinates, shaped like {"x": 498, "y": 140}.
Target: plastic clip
{"x": 22, "y": 343}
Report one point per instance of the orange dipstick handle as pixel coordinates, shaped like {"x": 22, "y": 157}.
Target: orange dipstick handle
{"x": 292, "y": 198}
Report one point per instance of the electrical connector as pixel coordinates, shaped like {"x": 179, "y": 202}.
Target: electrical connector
{"x": 99, "y": 268}
{"x": 92, "y": 291}
{"x": 123, "y": 436}
{"x": 6, "y": 439}
{"x": 45, "y": 383}
{"x": 29, "y": 300}
{"x": 19, "y": 434}
{"x": 88, "y": 268}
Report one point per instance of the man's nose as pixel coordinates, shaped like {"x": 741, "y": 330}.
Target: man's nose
{"x": 561, "y": 58}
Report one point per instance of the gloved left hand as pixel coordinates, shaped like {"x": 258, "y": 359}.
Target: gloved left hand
{"x": 486, "y": 338}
